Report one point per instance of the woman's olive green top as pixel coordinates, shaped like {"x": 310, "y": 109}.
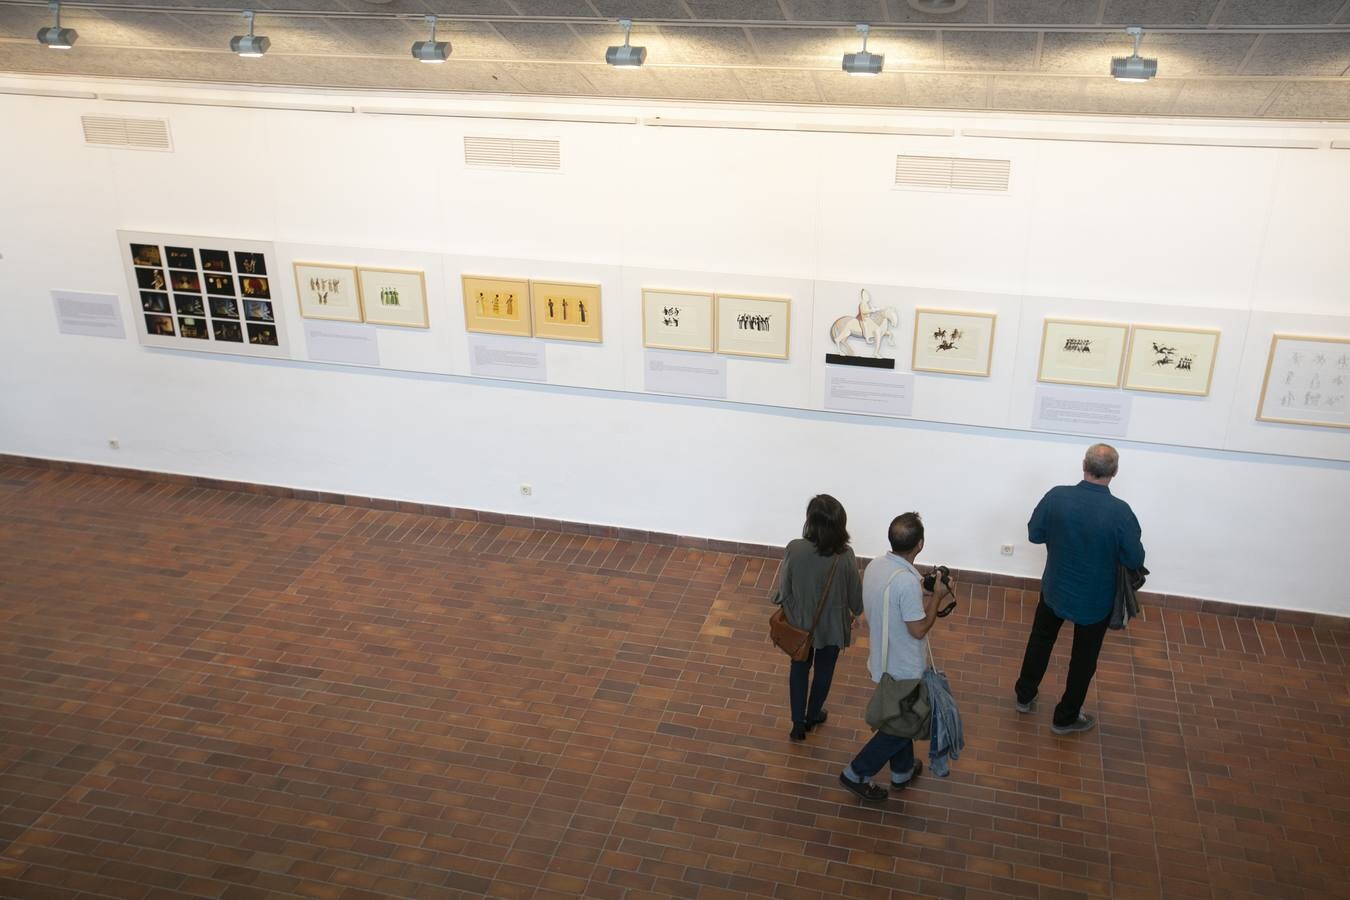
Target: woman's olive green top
{"x": 801, "y": 579}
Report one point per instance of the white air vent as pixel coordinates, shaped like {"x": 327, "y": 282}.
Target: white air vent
{"x": 512, "y": 153}
{"x": 950, "y": 173}
{"x": 134, "y": 134}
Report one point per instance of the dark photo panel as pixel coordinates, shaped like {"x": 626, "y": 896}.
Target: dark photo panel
{"x": 145, "y": 255}
{"x": 154, "y": 303}
{"x": 152, "y": 280}
{"x": 216, "y": 260}
{"x": 258, "y": 311}
{"x": 220, "y": 284}
{"x": 249, "y": 263}
{"x": 254, "y": 287}
{"x": 188, "y": 305}
{"x": 262, "y": 334}
{"x": 228, "y": 331}
{"x": 181, "y": 257}
{"x": 185, "y": 281}
{"x": 193, "y": 328}
{"x": 224, "y": 308}
{"x": 161, "y": 325}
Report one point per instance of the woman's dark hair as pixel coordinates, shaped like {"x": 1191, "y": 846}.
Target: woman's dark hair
{"x": 826, "y": 525}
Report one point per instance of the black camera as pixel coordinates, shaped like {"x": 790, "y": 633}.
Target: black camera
{"x": 943, "y": 574}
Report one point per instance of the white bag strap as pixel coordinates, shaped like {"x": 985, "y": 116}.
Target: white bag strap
{"x": 886, "y": 629}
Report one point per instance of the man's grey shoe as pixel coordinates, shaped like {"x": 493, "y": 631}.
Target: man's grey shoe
{"x": 1029, "y": 706}
{"x": 1084, "y": 723}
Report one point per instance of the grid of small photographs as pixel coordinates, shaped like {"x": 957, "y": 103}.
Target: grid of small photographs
{"x": 205, "y": 294}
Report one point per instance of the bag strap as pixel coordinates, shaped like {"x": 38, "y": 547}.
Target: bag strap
{"x": 820, "y": 607}
{"x": 886, "y": 621}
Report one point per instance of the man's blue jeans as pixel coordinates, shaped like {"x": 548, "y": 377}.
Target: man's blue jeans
{"x": 881, "y": 749}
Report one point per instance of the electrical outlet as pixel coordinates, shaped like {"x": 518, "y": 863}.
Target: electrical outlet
{"x": 1006, "y": 549}
{"x": 526, "y": 490}
{"x": 114, "y": 444}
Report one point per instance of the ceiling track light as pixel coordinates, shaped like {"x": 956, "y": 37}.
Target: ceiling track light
{"x": 1133, "y": 68}
{"x": 431, "y": 50}
{"x": 626, "y": 56}
{"x": 54, "y": 36}
{"x": 249, "y": 46}
{"x": 862, "y": 62}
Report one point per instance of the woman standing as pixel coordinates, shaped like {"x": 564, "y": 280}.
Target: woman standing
{"x": 818, "y": 564}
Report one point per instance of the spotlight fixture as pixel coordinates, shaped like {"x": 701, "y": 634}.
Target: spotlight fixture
{"x": 431, "y": 50}
{"x": 249, "y": 46}
{"x": 1133, "y": 67}
{"x": 626, "y": 56}
{"x": 862, "y": 62}
{"x": 55, "y": 36}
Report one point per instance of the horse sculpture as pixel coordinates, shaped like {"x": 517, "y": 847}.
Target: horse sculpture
{"x": 872, "y": 325}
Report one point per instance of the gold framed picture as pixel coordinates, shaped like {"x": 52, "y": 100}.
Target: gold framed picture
{"x": 677, "y": 320}
{"x": 1086, "y": 353}
{"x": 753, "y": 326}
{"x": 1305, "y": 382}
{"x": 328, "y": 291}
{"x": 393, "y": 297}
{"x": 1171, "y": 360}
{"x": 566, "y": 311}
{"x": 496, "y": 305}
{"x": 953, "y": 342}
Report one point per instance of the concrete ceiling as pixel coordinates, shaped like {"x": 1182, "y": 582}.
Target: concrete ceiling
{"x": 1273, "y": 59}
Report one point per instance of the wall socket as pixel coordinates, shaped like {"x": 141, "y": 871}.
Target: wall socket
{"x": 1006, "y": 549}
{"x": 114, "y": 444}
{"x": 526, "y": 490}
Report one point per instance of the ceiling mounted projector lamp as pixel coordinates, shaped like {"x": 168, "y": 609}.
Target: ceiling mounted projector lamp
{"x": 1133, "y": 68}
{"x": 626, "y": 56}
{"x": 54, "y": 36}
{"x": 249, "y": 46}
{"x": 862, "y": 62}
{"x": 431, "y": 50}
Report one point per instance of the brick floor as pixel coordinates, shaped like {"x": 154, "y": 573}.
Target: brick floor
{"x": 206, "y": 693}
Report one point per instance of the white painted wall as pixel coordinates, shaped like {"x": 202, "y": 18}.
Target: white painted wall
{"x": 1252, "y": 239}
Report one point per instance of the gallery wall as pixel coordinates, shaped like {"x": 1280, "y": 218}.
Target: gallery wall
{"x": 1236, "y": 238}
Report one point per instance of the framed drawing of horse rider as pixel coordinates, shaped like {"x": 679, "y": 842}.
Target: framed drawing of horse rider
{"x": 860, "y": 340}
{"x": 1086, "y": 353}
{"x": 1171, "y": 360}
{"x": 953, "y": 343}
{"x": 753, "y": 326}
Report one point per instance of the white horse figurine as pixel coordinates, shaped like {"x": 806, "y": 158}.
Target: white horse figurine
{"x": 872, "y": 325}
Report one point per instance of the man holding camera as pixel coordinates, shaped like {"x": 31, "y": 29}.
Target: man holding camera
{"x": 892, "y": 580}
{"x": 1087, "y": 533}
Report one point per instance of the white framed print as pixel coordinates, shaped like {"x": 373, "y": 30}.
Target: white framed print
{"x": 677, "y": 320}
{"x": 1305, "y": 381}
{"x": 327, "y": 291}
{"x": 393, "y": 297}
{"x": 753, "y": 326}
{"x": 952, "y": 342}
{"x": 1086, "y": 353}
{"x": 1171, "y": 360}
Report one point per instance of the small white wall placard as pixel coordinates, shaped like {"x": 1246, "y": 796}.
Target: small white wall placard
{"x": 1081, "y": 412}
{"x": 92, "y": 315}
{"x": 342, "y": 342}
{"x": 505, "y": 357}
{"x": 877, "y": 392}
{"x": 686, "y": 374}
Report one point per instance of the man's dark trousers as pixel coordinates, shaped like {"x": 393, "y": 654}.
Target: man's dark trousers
{"x": 1087, "y": 644}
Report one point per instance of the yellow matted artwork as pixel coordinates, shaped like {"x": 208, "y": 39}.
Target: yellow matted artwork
{"x": 566, "y": 311}
{"x": 496, "y": 305}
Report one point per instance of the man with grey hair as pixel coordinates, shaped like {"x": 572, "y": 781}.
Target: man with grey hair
{"x": 1087, "y": 532}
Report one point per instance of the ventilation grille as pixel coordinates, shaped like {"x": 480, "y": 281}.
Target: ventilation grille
{"x": 135, "y": 134}
{"x": 512, "y": 153}
{"x": 950, "y": 173}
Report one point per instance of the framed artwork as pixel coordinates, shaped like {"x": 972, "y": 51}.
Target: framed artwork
{"x": 203, "y": 293}
{"x": 1305, "y": 381}
{"x": 677, "y": 320}
{"x": 566, "y": 311}
{"x": 393, "y": 297}
{"x": 496, "y": 305}
{"x": 1171, "y": 360}
{"x": 327, "y": 291}
{"x": 1086, "y": 353}
{"x": 753, "y": 326}
{"x": 952, "y": 342}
